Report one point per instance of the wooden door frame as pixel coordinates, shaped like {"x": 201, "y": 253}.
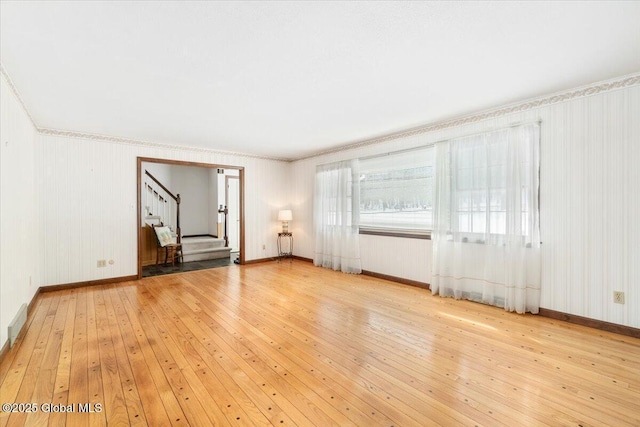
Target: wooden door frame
{"x": 141, "y": 160}
{"x": 226, "y": 195}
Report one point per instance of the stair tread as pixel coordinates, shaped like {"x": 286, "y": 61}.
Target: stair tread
{"x": 201, "y": 239}
{"x": 201, "y": 251}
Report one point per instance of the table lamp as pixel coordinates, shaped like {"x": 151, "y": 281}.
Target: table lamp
{"x": 285, "y": 216}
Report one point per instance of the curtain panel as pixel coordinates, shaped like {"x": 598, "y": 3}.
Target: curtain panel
{"x": 486, "y": 237}
{"x": 336, "y": 203}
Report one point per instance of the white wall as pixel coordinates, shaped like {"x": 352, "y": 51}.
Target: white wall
{"x": 590, "y": 202}
{"x": 20, "y": 234}
{"x": 192, "y": 184}
{"x": 161, "y": 171}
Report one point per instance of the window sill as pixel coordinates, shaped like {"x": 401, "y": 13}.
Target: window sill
{"x": 407, "y": 234}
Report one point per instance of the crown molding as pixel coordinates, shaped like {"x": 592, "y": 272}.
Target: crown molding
{"x": 530, "y": 104}
{"x": 138, "y": 142}
{"x": 13, "y": 89}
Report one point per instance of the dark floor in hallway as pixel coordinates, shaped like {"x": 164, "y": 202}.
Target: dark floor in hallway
{"x": 161, "y": 269}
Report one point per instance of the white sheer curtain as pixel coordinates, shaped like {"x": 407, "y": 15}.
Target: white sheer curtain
{"x": 336, "y": 217}
{"x": 486, "y": 238}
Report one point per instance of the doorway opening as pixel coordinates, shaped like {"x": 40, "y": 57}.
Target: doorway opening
{"x": 190, "y": 216}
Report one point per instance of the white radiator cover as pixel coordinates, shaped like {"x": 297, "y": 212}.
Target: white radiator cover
{"x": 17, "y": 324}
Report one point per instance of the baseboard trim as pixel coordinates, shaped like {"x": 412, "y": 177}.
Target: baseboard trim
{"x": 32, "y": 303}
{"x": 591, "y": 323}
{"x": 409, "y": 282}
{"x": 396, "y": 279}
{"x": 62, "y": 287}
{"x": 259, "y": 260}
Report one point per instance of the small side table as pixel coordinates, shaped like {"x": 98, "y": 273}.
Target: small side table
{"x": 285, "y": 254}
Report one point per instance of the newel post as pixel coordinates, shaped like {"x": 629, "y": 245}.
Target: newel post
{"x": 179, "y": 238}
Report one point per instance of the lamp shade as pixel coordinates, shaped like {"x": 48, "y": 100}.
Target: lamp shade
{"x": 285, "y": 215}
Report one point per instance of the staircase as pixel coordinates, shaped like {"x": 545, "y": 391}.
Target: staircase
{"x": 203, "y": 248}
{"x": 160, "y": 206}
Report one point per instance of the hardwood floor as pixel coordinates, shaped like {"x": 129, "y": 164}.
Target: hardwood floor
{"x": 292, "y": 344}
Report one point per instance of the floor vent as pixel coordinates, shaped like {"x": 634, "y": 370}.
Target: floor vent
{"x": 16, "y": 325}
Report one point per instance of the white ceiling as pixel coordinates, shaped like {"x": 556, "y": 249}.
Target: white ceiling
{"x": 287, "y": 79}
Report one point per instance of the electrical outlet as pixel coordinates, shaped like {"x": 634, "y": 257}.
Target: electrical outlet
{"x": 618, "y": 297}
{"x": 264, "y": 247}
{"x": 102, "y": 263}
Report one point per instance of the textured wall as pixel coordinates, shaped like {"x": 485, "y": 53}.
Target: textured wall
{"x": 20, "y": 234}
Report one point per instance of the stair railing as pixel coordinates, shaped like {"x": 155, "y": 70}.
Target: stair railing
{"x": 174, "y": 197}
{"x": 156, "y": 204}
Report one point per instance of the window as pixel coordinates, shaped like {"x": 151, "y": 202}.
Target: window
{"x": 396, "y": 192}
{"x": 491, "y": 184}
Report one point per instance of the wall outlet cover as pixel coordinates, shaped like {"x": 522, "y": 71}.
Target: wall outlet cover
{"x": 618, "y": 297}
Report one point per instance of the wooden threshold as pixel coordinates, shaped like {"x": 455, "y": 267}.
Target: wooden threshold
{"x": 292, "y": 344}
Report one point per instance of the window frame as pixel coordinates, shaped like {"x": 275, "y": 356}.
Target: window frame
{"x": 390, "y": 231}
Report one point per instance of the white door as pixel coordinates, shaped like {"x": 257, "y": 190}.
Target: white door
{"x": 233, "y": 204}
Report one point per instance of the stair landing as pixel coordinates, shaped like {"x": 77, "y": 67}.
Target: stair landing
{"x": 203, "y": 248}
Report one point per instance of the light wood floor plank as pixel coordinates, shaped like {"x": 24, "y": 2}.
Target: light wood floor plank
{"x": 63, "y": 370}
{"x": 115, "y": 410}
{"x": 78, "y": 391}
{"x": 351, "y": 366}
{"x": 94, "y": 373}
{"x": 141, "y": 396}
{"x": 359, "y": 412}
{"x": 269, "y": 336}
{"x": 291, "y": 344}
{"x": 173, "y": 355}
{"x": 376, "y": 382}
{"x": 173, "y": 380}
{"x": 237, "y": 404}
{"x": 289, "y": 383}
{"x": 203, "y": 355}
